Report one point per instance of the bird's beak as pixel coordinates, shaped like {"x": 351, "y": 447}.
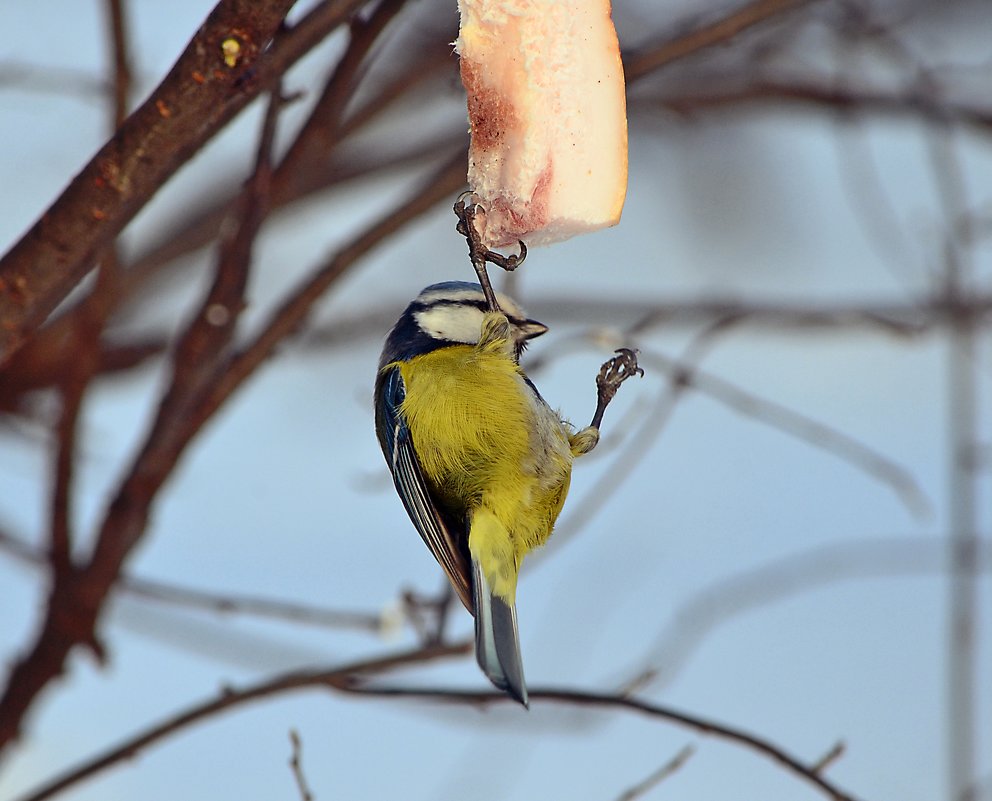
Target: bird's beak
{"x": 532, "y": 328}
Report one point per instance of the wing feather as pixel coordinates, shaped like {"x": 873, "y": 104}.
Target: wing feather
{"x": 436, "y": 529}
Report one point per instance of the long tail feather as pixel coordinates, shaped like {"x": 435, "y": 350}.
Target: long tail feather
{"x": 497, "y": 644}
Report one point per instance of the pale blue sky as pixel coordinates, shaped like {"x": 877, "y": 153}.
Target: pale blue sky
{"x": 286, "y": 495}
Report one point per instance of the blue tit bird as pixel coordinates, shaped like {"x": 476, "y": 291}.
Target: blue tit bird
{"x": 480, "y": 461}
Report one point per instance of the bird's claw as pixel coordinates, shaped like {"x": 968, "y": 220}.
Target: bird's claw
{"x": 611, "y": 375}
{"x": 466, "y": 213}
{"x": 617, "y": 370}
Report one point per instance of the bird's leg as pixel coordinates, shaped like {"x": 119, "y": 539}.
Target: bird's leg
{"x": 478, "y": 253}
{"x": 611, "y": 375}
{"x": 476, "y": 250}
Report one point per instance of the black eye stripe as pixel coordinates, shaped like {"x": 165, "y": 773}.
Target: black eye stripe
{"x": 419, "y": 305}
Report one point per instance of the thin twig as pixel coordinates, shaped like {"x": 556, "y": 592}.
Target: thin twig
{"x": 657, "y": 777}
{"x": 75, "y": 603}
{"x": 296, "y": 765}
{"x": 433, "y": 62}
{"x": 828, "y": 759}
{"x": 916, "y": 102}
{"x": 117, "y": 22}
{"x": 292, "y": 313}
{"x": 719, "y": 32}
{"x": 699, "y": 724}
{"x": 27, "y": 76}
{"x": 333, "y": 678}
{"x": 216, "y": 602}
{"x": 319, "y": 134}
{"x": 351, "y": 679}
{"x": 237, "y": 604}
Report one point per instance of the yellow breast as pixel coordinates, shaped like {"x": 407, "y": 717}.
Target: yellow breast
{"x": 485, "y": 439}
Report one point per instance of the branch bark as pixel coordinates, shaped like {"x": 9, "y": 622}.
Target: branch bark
{"x": 76, "y": 603}
{"x": 352, "y": 679}
{"x": 225, "y": 66}
{"x": 205, "y": 89}
{"x": 78, "y": 592}
{"x": 699, "y": 724}
{"x": 334, "y": 678}
{"x": 720, "y": 31}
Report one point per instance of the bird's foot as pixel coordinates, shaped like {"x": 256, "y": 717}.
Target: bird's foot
{"x": 611, "y": 375}
{"x": 478, "y": 253}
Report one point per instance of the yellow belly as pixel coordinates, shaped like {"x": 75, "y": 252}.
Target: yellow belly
{"x": 495, "y": 455}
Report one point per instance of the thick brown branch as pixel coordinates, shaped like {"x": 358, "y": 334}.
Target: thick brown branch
{"x": 216, "y": 77}
{"x": 291, "y": 180}
{"x": 86, "y": 335}
{"x": 81, "y": 602}
{"x": 78, "y": 594}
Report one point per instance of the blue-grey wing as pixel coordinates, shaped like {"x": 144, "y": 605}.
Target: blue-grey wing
{"x": 440, "y": 533}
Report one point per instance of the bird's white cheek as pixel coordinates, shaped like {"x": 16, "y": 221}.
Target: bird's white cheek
{"x": 451, "y": 323}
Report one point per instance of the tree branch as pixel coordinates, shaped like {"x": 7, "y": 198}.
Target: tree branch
{"x": 658, "y": 776}
{"x": 350, "y": 679}
{"x": 218, "y": 602}
{"x": 647, "y": 60}
{"x": 293, "y": 312}
{"x": 224, "y": 67}
{"x": 334, "y": 678}
{"x": 699, "y": 724}
{"x": 78, "y": 594}
{"x": 73, "y": 612}
{"x": 296, "y": 766}
{"x": 918, "y": 102}
{"x": 86, "y": 335}
{"x": 117, "y": 23}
